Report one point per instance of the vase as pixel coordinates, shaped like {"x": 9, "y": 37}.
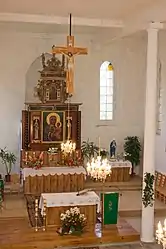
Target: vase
{"x": 65, "y": 230}
{"x": 76, "y": 230}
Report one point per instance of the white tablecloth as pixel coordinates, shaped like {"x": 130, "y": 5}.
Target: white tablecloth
{"x": 123, "y": 164}
{"x": 52, "y": 171}
{"x": 69, "y": 199}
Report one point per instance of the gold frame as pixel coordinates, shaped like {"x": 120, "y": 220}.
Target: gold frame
{"x": 64, "y": 127}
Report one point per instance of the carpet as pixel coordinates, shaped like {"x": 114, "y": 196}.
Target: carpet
{"x": 30, "y": 203}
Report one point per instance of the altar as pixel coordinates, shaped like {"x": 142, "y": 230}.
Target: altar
{"x": 120, "y": 171}
{"x": 58, "y": 203}
{"x": 53, "y": 179}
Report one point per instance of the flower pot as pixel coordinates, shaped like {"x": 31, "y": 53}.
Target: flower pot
{"x": 8, "y": 178}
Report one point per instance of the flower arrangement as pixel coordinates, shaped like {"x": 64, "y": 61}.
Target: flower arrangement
{"x": 73, "y": 222}
{"x": 52, "y": 150}
{"x": 34, "y": 161}
{"x": 73, "y": 161}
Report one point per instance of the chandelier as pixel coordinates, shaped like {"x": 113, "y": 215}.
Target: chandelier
{"x": 161, "y": 234}
{"x": 68, "y": 147}
{"x": 99, "y": 168}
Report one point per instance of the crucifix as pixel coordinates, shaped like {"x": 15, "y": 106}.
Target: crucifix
{"x": 70, "y": 51}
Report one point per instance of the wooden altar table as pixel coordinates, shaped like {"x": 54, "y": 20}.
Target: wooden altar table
{"x": 53, "y": 179}
{"x": 60, "y": 202}
{"x": 121, "y": 171}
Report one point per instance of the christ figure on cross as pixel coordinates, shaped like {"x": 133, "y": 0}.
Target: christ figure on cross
{"x": 70, "y": 51}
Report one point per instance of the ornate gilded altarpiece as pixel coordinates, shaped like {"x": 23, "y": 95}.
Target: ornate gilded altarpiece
{"x": 44, "y": 124}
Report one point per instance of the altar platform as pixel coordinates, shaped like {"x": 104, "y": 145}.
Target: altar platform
{"x": 19, "y": 235}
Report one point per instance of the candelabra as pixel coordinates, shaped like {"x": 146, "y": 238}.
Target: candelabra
{"x": 44, "y": 215}
{"x": 68, "y": 147}
{"x": 161, "y": 234}
{"x": 36, "y": 214}
{"x": 26, "y": 157}
{"x": 99, "y": 168}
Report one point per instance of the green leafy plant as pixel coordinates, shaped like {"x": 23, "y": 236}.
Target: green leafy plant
{"x": 103, "y": 153}
{"x": 88, "y": 149}
{"x": 132, "y": 148}
{"x": 8, "y": 159}
{"x": 148, "y": 191}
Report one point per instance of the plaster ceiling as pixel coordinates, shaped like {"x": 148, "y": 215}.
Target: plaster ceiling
{"x": 103, "y": 17}
{"x": 107, "y": 9}
{"x": 60, "y": 29}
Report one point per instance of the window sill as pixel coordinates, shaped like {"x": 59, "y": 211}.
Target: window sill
{"x": 105, "y": 123}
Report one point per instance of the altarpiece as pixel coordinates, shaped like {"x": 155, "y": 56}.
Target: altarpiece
{"x": 53, "y": 120}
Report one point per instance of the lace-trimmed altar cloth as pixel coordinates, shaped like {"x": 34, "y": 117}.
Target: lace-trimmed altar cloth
{"x": 121, "y": 164}
{"x": 69, "y": 199}
{"x": 52, "y": 171}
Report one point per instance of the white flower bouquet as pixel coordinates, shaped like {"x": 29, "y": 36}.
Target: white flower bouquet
{"x": 73, "y": 222}
{"x": 52, "y": 150}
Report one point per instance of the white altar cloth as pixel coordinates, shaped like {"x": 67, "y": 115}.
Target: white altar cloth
{"x": 120, "y": 163}
{"x": 52, "y": 171}
{"x": 69, "y": 199}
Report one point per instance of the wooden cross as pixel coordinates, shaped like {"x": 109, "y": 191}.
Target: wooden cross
{"x": 70, "y": 51}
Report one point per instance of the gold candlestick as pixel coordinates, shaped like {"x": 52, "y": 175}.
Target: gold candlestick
{"x": 26, "y": 157}
{"x": 44, "y": 215}
{"x": 36, "y": 214}
{"x": 34, "y": 154}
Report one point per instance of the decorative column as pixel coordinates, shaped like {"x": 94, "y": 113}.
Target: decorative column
{"x": 147, "y": 232}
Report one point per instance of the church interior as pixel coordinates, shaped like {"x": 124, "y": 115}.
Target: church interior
{"x": 83, "y": 131}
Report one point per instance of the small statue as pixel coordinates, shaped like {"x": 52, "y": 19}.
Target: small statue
{"x": 112, "y": 148}
{"x": 36, "y": 129}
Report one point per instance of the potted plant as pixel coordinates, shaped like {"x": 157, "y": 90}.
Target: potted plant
{"x": 103, "y": 153}
{"x": 8, "y": 159}
{"x": 88, "y": 149}
{"x": 148, "y": 191}
{"x": 72, "y": 222}
{"x": 132, "y": 148}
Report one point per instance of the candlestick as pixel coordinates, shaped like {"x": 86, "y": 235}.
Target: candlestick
{"x": 26, "y": 157}
{"x": 36, "y": 215}
{"x": 44, "y": 215}
{"x": 34, "y": 153}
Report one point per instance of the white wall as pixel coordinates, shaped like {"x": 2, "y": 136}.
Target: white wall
{"x": 19, "y": 50}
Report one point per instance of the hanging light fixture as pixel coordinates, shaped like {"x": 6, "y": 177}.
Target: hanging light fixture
{"x": 99, "y": 168}
{"x": 68, "y": 147}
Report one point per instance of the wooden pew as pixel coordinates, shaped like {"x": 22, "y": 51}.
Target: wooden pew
{"x": 160, "y": 186}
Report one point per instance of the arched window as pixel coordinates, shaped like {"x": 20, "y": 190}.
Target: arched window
{"x": 106, "y": 91}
